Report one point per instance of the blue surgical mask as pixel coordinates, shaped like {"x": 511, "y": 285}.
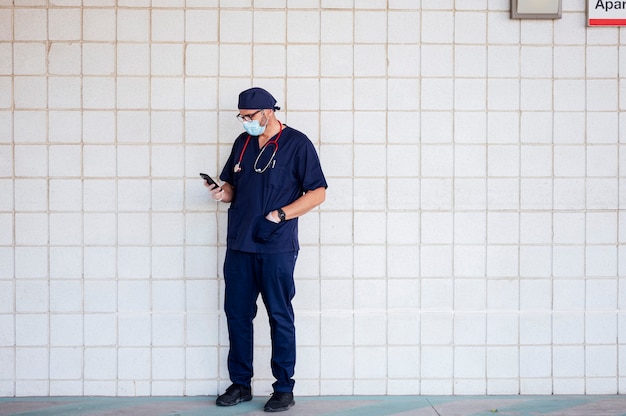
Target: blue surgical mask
{"x": 253, "y": 128}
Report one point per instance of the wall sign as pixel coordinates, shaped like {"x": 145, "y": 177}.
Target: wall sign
{"x": 606, "y": 13}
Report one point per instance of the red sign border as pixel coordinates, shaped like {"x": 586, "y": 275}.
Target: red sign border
{"x": 607, "y": 22}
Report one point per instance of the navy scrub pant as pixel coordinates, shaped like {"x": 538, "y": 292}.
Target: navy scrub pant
{"x": 246, "y": 275}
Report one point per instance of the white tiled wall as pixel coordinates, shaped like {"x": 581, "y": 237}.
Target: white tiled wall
{"x": 472, "y": 241}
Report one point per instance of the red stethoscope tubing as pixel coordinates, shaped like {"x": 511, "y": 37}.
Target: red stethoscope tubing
{"x": 274, "y": 142}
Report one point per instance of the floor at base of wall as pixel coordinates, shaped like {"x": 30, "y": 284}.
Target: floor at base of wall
{"x": 327, "y": 406}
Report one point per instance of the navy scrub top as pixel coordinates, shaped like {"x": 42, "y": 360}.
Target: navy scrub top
{"x": 295, "y": 170}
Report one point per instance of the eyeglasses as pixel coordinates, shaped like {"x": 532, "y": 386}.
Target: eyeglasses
{"x": 248, "y": 117}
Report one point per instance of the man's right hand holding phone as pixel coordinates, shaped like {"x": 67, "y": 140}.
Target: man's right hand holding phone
{"x": 217, "y": 193}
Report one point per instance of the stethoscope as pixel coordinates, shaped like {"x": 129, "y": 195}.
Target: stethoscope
{"x": 271, "y": 160}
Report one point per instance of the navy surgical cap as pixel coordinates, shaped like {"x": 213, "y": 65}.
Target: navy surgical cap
{"x": 256, "y": 99}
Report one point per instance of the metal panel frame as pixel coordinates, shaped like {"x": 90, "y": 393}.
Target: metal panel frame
{"x": 516, "y": 15}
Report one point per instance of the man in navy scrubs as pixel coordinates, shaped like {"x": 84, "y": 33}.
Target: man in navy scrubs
{"x": 272, "y": 177}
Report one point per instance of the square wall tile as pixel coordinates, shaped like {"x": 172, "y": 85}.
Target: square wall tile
{"x": 100, "y": 363}
{"x": 65, "y": 160}
{"x": 133, "y": 59}
{"x": 398, "y": 265}
{"x": 98, "y": 93}
{"x": 30, "y": 92}
{"x": 66, "y": 229}
{"x": 66, "y": 330}
{"x": 31, "y": 296}
{"x": 436, "y": 328}
{"x": 168, "y": 25}
{"x": 30, "y": 24}
{"x": 99, "y": 25}
{"x": 135, "y": 330}
{"x": 31, "y": 330}
{"x": 99, "y": 126}
{"x": 98, "y": 59}
{"x": 66, "y": 263}
{"x": 65, "y": 126}
{"x": 133, "y": 25}
{"x": 168, "y": 363}
{"x": 364, "y": 356}
{"x": 133, "y": 160}
{"x": 100, "y": 296}
{"x": 32, "y": 363}
{"x": 66, "y": 363}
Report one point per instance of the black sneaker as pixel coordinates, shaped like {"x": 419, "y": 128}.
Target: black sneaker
{"x": 236, "y": 393}
{"x": 279, "y": 402}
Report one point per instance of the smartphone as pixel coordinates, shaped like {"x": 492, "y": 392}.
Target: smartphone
{"x": 209, "y": 179}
